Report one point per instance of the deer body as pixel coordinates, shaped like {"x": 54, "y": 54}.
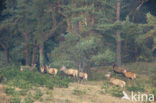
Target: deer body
{"x": 70, "y": 72}
{"x": 118, "y": 69}
{"x": 42, "y": 69}
{"x": 115, "y": 81}
{"x": 129, "y": 75}
{"x": 84, "y": 76}
{"x": 118, "y": 82}
{"x": 22, "y": 68}
{"x": 52, "y": 71}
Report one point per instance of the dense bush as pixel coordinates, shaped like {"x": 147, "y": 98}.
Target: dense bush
{"x": 79, "y": 92}
{"x": 38, "y": 94}
{"x": 27, "y": 79}
{"x": 10, "y": 91}
{"x": 15, "y": 99}
{"x": 136, "y": 88}
{"x": 29, "y": 99}
{"x": 153, "y": 76}
{"x": 116, "y": 92}
{"x": 113, "y": 90}
{"x": 154, "y": 92}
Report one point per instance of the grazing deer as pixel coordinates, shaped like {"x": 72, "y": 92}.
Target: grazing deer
{"x": 129, "y": 75}
{"x": 42, "y": 69}
{"x": 115, "y": 81}
{"x": 83, "y": 76}
{"x": 70, "y": 72}
{"x": 22, "y": 68}
{"x": 52, "y": 71}
{"x": 118, "y": 69}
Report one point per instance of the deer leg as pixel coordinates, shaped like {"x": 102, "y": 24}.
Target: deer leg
{"x": 128, "y": 81}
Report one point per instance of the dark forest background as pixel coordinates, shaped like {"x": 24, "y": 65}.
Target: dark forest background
{"x": 82, "y": 33}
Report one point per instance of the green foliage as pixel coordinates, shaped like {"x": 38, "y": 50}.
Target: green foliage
{"x": 29, "y": 99}
{"x": 27, "y": 79}
{"x": 106, "y": 57}
{"x": 79, "y": 92}
{"x": 20, "y": 83}
{"x": 10, "y": 91}
{"x": 116, "y": 92}
{"x": 106, "y": 88}
{"x": 95, "y": 44}
{"x": 154, "y": 92}
{"x": 15, "y": 99}
{"x": 76, "y": 49}
{"x": 153, "y": 78}
{"x": 38, "y": 94}
{"x": 23, "y": 92}
{"x": 105, "y": 85}
{"x": 136, "y": 88}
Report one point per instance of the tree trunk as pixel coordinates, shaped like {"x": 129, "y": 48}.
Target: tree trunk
{"x": 34, "y": 54}
{"x": 6, "y": 56}
{"x": 138, "y": 8}
{"x": 6, "y": 53}
{"x": 26, "y": 48}
{"x": 118, "y": 50}
{"x": 88, "y": 69}
{"x": 41, "y": 52}
{"x": 65, "y": 16}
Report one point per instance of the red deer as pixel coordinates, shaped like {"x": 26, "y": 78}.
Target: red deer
{"x": 70, "y": 72}
{"x": 52, "y": 71}
{"x": 115, "y": 81}
{"x": 84, "y": 76}
{"x": 129, "y": 75}
{"x": 22, "y": 68}
{"x": 118, "y": 69}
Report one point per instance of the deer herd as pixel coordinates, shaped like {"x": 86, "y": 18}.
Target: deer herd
{"x": 84, "y": 76}
{"x": 71, "y": 72}
{"x": 124, "y": 72}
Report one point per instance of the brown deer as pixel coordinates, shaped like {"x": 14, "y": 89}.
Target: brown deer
{"x": 70, "y": 72}
{"x": 115, "y": 81}
{"x": 51, "y": 71}
{"x": 22, "y": 68}
{"x": 118, "y": 69}
{"x": 129, "y": 75}
{"x": 42, "y": 69}
{"x": 84, "y": 76}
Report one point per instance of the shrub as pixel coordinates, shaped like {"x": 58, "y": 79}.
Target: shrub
{"x": 153, "y": 76}
{"x": 116, "y": 92}
{"x": 15, "y": 99}
{"x": 23, "y": 92}
{"x": 61, "y": 82}
{"x": 154, "y": 92}
{"x": 20, "y": 83}
{"x": 38, "y": 94}
{"x": 105, "y": 85}
{"x": 136, "y": 88}
{"x": 29, "y": 99}
{"x": 102, "y": 92}
{"x": 79, "y": 92}
{"x": 26, "y": 79}
{"x": 10, "y": 91}
{"x": 67, "y": 101}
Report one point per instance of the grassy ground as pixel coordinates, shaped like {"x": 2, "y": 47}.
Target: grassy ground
{"x": 96, "y": 90}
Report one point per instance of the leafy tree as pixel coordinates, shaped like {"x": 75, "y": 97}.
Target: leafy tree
{"x": 151, "y": 20}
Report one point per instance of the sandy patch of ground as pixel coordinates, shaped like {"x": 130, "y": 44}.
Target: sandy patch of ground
{"x": 3, "y": 97}
{"x": 65, "y": 95}
{"x": 92, "y": 95}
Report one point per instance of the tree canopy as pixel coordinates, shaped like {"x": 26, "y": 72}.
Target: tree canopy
{"x": 80, "y": 34}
